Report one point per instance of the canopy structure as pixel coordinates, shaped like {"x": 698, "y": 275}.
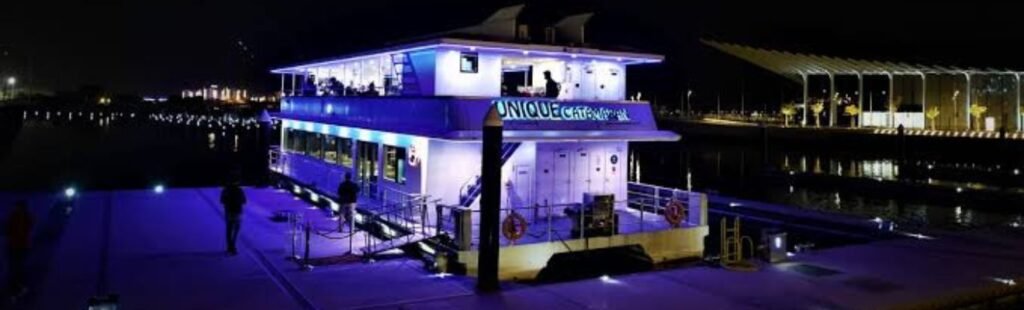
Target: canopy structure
{"x": 798, "y": 66}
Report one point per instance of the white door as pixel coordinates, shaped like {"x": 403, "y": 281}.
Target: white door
{"x": 562, "y": 176}
{"x": 597, "y": 169}
{"x": 523, "y": 186}
{"x": 581, "y": 175}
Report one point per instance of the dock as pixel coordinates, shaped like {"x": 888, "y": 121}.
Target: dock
{"x": 164, "y": 251}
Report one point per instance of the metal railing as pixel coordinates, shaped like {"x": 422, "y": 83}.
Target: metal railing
{"x": 302, "y": 236}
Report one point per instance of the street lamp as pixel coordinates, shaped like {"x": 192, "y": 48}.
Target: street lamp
{"x": 11, "y": 81}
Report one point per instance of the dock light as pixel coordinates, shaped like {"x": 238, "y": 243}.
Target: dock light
{"x": 778, "y": 242}
{"x": 11, "y": 81}
{"x": 159, "y": 189}
{"x": 959, "y": 189}
{"x": 70, "y": 192}
{"x": 1016, "y": 171}
{"x": 314, "y": 197}
{"x": 734, "y": 204}
{"x": 334, "y": 206}
{"x": 790, "y": 254}
{"x": 609, "y": 280}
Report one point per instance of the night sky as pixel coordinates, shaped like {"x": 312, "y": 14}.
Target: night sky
{"x": 160, "y": 46}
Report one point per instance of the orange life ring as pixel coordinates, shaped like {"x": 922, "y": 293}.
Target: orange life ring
{"x": 674, "y": 212}
{"x": 513, "y": 227}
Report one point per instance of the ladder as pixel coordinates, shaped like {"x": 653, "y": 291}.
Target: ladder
{"x": 404, "y": 72}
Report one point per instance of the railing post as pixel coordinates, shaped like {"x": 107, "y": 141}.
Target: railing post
{"x": 546, "y": 203}
{"x": 305, "y": 256}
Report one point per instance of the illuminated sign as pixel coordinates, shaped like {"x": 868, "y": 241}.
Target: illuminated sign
{"x": 544, "y": 110}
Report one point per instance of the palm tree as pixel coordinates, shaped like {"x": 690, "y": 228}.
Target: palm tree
{"x": 977, "y": 111}
{"x": 932, "y": 114}
{"x": 817, "y": 108}
{"x": 853, "y": 111}
{"x": 788, "y": 110}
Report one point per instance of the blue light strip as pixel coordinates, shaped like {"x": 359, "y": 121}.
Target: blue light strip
{"x": 367, "y": 135}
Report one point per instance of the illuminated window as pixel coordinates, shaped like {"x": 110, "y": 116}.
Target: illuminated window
{"x": 295, "y": 141}
{"x": 331, "y": 150}
{"x": 469, "y": 63}
{"x": 314, "y": 143}
{"x": 394, "y": 164}
{"x": 345, "y": 152}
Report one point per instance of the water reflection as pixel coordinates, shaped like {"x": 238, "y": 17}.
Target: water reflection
{"x": 929, "y": 192}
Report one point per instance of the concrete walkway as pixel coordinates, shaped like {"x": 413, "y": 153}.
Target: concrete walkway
{"x": 166, "y": 251}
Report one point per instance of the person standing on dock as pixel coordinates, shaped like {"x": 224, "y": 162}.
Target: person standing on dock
{"x": 19, "y": 238}
{"x": 347, "y": 192}
{"x": 233, "y": 198}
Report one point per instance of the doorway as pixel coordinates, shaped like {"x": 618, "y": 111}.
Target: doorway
{"x": 367, "y": 165}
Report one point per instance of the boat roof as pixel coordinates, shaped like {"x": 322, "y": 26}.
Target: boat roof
{"x": 530, "y": 49}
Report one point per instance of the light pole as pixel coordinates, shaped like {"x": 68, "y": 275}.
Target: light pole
{"x": 689, "y": 92}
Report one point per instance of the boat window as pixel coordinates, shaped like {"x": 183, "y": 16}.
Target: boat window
{"x": 296, "y": 141}
{"x": 394, "y": 164}
{"x": 345, "y": 152}
{"x": 469, "y": 63}
{"x": 314, "y": 143}
{"x": 331, "y": 150}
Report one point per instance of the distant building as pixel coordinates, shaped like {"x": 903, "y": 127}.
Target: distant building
{"x": 226, "y": 95}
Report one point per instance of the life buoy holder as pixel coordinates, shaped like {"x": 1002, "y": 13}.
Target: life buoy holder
{"x": 513, "y": 227}
{"x": 674, "y": 213}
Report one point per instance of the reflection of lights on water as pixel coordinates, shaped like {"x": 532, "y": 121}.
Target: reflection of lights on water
{"x": 1007, "y": 281}
{"x": 734, "y": 204}
{"x": 918, "y": 236}
{"x": 791, "y": 189}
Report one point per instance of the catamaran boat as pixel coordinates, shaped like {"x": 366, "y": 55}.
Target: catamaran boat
{"x": 405, "y": 121}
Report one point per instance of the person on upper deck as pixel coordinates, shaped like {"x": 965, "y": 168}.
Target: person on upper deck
{"x": 551, "y": 88}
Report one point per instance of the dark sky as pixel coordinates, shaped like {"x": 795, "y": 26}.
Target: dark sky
{"x": 161, "y": 46}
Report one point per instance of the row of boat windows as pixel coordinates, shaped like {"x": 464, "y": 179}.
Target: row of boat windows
{"x": 347, "y": 152}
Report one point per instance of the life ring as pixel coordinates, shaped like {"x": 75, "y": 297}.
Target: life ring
{"x": 513, "y": 227}
{"x": 674, "y": 212}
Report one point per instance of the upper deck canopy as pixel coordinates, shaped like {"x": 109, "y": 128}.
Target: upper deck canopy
{"x": 523, "y": 49}
{"x": 796, "y": 64}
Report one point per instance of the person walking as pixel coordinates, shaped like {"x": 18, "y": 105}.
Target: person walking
{"x": 19, "y": 237}
{"x": 347, "y": 196}
{"x": 233, "y": 198}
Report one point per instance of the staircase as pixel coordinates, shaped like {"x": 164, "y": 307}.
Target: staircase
{"x": 393, "y": 243}
{"x": 405, "y": 72}
{"x": 473, "y": 191}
